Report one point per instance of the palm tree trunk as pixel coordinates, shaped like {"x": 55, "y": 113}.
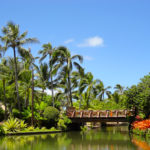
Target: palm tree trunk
{"x": 27, "y": 101}
{"x": 51, "y": 80}
{"x": 69, "y": 86}
{"x": 32, "y": 118}
{"x": 5, "y": 99}
{"x": 42, "y": 94}
{"x": 16, "y": 79}
{"x": 52, "y": 89}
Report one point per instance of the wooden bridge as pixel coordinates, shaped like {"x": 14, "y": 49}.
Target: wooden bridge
{"x": 80, "y": 116}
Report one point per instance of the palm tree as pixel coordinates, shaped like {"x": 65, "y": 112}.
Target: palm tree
{"x": 26, "y": 55}
{"x": 78, "y": 80}
{"x": 101, "y": 90}
{"x": 119, "y": 89}
{"x": 13, "y": 39}
{"x": 48, "y": 51}
{"x": 91, "y": 84}
{"x": 1, "y": 51}
{"x": 68, "y": 62}
{"x": 43, "y": 76}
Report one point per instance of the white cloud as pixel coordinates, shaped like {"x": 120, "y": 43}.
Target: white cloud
{"x": 49, "y": 92}
{"x": 88, "y": 58}
{"x": 69, "y": 41}
{"x": 92, "y": 42}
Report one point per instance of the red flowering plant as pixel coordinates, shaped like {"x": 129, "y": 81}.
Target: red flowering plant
{"x": 141, "y": 125}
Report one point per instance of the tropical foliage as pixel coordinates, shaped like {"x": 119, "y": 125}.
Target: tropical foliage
{"x": 27, "y": 80}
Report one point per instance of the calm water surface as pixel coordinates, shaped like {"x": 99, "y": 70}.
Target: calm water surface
{"x": 109, "y": 138}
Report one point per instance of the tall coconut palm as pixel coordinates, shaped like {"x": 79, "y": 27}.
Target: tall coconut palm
{"x": 68, "y": 62}
{"x": 13, "y": 39}
{"x": 43, "y": 76}
{"x": 78, "y": 80}
{"x": 90, "y": 84}
{"x": 48, "y": 51}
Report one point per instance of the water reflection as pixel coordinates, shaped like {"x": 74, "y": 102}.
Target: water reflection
{"x": 109, "y": 138}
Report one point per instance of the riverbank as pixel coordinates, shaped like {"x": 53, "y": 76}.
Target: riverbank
{"x": 33, "y": 132}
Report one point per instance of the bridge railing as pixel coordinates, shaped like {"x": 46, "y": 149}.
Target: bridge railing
{"x": 98, "y": 113}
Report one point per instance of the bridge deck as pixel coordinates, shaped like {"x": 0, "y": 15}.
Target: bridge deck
{"x": 99, "y": 116}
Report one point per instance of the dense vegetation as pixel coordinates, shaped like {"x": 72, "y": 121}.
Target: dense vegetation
{"x": 24, "y": 80}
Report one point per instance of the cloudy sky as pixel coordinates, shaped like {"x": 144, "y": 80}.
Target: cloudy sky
{"x": 113, "y": 36}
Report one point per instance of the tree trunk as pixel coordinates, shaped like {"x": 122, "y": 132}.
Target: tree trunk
{"x": 70, "y": 93}
{"x": 42, "y": 94}
{"x": 27, "y": 101}
{"x": 16, "y": 80}
{"x": 52, "y": 89}
{"x": 5, "y": 99}
{"x": 32, "y": 118}
{"x": 51, "y": 80}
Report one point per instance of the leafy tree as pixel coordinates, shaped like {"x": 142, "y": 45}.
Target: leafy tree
{"x": 13, "y": 39}
{"x": 138, "y": 96}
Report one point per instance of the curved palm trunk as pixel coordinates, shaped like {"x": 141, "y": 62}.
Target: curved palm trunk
{"x": 32, "y": 119}
{"x": 16, "y": 80}
{"x": 5, "y": 99}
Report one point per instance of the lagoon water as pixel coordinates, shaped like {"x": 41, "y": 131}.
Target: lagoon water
{"x": 109, "y": 138}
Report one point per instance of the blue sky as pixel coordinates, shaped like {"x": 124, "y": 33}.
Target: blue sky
{"x": 112, "y": 35}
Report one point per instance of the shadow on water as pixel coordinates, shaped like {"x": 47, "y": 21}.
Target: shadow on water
{"x": 108, "y": 138}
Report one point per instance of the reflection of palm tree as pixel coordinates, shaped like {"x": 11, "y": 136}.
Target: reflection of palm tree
{"x": 13, "y": 39}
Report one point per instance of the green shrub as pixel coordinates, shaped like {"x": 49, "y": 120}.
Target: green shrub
{"x": 43, "y": 128}
{"x": 22, "y": 125}
{"x": 37, "y": 128}
{"x": 2, "y": 131}
{"x": 12, "y": 125}
{"x": 31, "y": 128}
{"x": 63, "y": 122}
{"x": 84, "y": 128}
{"x": 51, "y": 113}
{"x": 53, "y": 129}
{"x": 16, "y": 113}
